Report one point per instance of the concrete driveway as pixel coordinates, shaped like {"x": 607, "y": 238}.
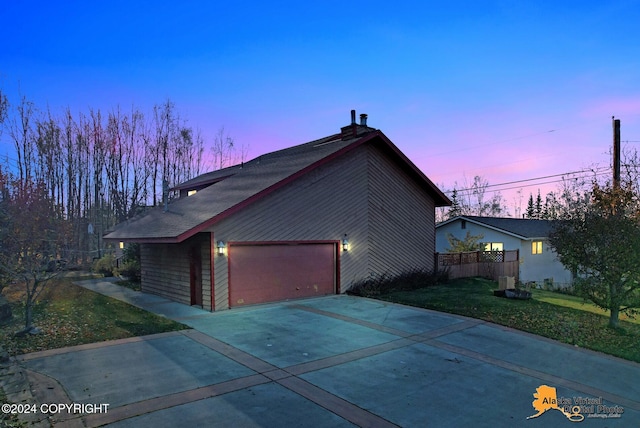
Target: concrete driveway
{"x": 331, "y": 362}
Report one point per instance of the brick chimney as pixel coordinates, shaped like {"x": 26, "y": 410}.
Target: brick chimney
{"x": 354, "y": 130}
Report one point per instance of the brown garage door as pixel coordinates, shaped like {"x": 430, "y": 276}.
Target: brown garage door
{"x": 274, "y": 272}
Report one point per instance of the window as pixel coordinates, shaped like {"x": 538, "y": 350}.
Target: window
{"x": 463, "y": 224}
{"x": 536, "y": 247}
{"x": 493, "y": 246}
{"x": 191, "y": 192}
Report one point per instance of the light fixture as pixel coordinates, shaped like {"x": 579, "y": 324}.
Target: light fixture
{"x": 221, "y": 246}
{"x": 345, "y": 243}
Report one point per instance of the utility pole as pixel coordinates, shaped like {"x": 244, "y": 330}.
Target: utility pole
{"x": 616, "y": 152}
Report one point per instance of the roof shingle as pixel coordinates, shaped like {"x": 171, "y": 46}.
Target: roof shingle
{"x": 236, "y": 186}
{"x": 526, "y": 228}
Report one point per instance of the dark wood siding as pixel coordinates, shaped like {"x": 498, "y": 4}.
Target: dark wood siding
{"x": 387, "y": 215}
{"x": 166, "y": 269}
{"x": 401, "y": 218}
{"x": 322, "y": 205}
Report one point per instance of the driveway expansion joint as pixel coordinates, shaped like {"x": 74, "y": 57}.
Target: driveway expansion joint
{"x": 546, "y": 377}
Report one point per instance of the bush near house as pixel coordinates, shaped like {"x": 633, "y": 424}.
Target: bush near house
{"x": 130, "y": 263}
{"x": 377, "y": 284}
{"x": 104, "y": 265}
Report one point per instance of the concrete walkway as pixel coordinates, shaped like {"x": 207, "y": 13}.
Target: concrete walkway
{"x": 332, "y": 361}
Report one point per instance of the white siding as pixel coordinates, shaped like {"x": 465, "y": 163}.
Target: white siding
{"x": 540, "y": 267}
{"x": 489, "y": 235}
{"x": 533, "y": 268}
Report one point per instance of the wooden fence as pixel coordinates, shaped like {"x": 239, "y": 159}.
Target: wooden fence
{"x": 488, "y": 264}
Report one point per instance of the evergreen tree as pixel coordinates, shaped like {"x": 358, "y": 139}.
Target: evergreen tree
{"x": 530, "y": 210}
{"x": 455, "y": 209}
{"x": 538, "y": 207}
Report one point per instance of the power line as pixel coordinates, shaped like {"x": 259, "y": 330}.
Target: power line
{"x": 597, "y": 171}
{"x": 539, "y": 184}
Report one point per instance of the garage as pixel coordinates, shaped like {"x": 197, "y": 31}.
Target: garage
{"x": 261, "y": 273}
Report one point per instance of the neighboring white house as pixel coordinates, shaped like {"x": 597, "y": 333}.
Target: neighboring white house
{"x": 538, "y": 261}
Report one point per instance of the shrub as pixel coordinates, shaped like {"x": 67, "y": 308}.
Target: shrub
{"x": 377, "y": 284}
{"x": 130, "y": 269}
{"x": 104, "y": 265}
{"x": 131, "y": 263}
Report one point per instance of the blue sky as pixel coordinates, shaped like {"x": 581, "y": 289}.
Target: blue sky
{"x": 508, "y": 90}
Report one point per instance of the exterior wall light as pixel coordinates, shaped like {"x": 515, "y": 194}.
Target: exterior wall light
{"x": 345, "y": 243}
{"x": 221, "y": 247}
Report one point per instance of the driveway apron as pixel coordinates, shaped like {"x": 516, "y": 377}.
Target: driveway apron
{"x": 332, "y": 362}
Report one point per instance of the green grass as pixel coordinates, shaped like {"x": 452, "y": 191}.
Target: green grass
{"x": 71, "y": 315}
{"x": 575, "y": 302}
{"x": 554, "y": 315}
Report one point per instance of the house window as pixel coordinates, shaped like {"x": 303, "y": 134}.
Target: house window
{"x": 536, "y": 247}
{"x": 463, "y": 224}
{"x": 191, "y": 192}
{"x": 493, "y": 246}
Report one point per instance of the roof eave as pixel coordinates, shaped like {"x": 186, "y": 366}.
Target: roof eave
{"x": 488, "y": 226}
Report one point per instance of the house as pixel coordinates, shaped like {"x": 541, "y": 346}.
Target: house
{"x": 300, "y": 222}
{"x": 538, "y": 261}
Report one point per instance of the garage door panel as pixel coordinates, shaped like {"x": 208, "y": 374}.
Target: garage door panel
{"x": 269, "y": 273}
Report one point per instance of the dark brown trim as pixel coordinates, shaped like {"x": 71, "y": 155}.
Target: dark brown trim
{"x": 301, "y": 242}
{"x": 338, "y": 250}
{"x": 212, "y": 280}
{"x": 165, "y": 240}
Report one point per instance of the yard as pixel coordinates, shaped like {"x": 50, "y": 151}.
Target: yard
{"x": 550, "y": 314}
{"x": 71, "y": 315}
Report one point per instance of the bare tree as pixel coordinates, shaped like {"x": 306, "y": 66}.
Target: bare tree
{"x": 4, "y": 108}
{"x": 22, "y": 134}
{"x": 472, "y": 200}
{"x": 225, "y": 152}
{"x": 125, "y": 166}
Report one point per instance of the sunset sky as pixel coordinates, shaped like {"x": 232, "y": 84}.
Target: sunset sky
{"x": 509, "y": 90}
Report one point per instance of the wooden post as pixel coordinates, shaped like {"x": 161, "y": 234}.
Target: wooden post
{"x": 616, "y": 152}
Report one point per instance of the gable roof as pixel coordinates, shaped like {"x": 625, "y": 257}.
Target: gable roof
{"x": 236, "y": 187}
{"x": 523, "y": 228}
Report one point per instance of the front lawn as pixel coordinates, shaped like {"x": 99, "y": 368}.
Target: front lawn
{"x": 549, "y": 314}
{"x": 71, "y": 315}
